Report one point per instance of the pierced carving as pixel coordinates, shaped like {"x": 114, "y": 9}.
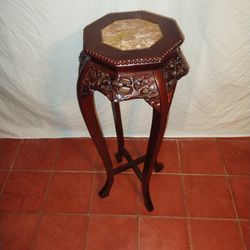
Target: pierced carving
{"x": 122, "y": 86}
{"x": 125, "y": 86}
{"x": 173, "y": 70}
{"x": 96, "y": 79}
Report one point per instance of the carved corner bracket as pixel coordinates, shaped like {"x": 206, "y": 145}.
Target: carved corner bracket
{"x": 174, "y": 70}
{"x": 83, "y": 58}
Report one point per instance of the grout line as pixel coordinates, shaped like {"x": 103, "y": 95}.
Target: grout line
{"x": 138, "y": 228}
{"x": 10, "y": 169}
{"x": 44, "y": 200}
{"x": 41, "y": 212}
{"x": 185, "y": 199}
{"x": 179, "y": 157}
{"x": 166, "y": 217}
{"x": 138, "y": 193}
{"x": 96, "y": 160}
{"x": 187, "y": 212}
{"x": 246, "y": 220}
{"x": 19, "y": 148}
{"x": 138, "y": 185}
{"x": 91, "y": 200}
{"x": 126, "y": 172}
{"x": 130, "y": 216}
{"x": 57, "y": 156}
{"x": 146, "y": 216}
{"x": 223, "y": 159}
{"x": 232, "y": 196}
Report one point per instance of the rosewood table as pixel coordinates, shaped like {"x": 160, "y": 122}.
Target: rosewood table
{"x": 130, "y": 55}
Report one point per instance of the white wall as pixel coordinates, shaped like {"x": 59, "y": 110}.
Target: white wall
{"x": 41, "y": 40}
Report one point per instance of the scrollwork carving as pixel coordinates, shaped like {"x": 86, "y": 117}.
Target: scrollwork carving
{"x": 125, "y": 86}
{"x": 121, "y": 87}
{"x": 173, "y": 70}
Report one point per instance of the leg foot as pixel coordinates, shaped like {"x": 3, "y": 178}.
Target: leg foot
{"x": 104, "y": 192}
{"x": 147, "y": 201}
{"x": 158, "y": 167}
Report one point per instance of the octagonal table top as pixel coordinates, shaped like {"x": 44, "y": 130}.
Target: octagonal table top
{"x": 136, "y": 38}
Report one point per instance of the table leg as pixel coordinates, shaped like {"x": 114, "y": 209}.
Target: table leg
{"x": 86, "y": 103}
{"x": 158, "y": 126}
{"x": 119, "y": 130}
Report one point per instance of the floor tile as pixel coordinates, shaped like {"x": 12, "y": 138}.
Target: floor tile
{"x": 215, "y": 234}
{"x": 201, "y": 156}
{"x": 8, "y": 151}
{"x": 236, "y": 155}
{"x": 209, "y": 196}
{"x": 130, "y": 145}
{"x": 167, "y": 196}
{"x": 168, "y": 155}
{"x": 37, "y": 154}
{"x": 245, "y": 226}
{"x": 122, "y": 198}
{"x": 62, "y": 232}
{"x": 114, "y": 232}
{"x": 69, "y": 192}
{"x": 160, "y": 233}
{"x": 76, "y": 154}
{"x": 3, "y": 176}
{"x": 17, "y": 231}
{"x": 241, "y": 192}
{"x": 24, "y": 192}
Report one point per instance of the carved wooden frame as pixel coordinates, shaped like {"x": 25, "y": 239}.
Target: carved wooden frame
{"x": 123, "y": 86}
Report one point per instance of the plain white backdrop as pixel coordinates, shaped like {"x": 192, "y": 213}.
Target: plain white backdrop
{"x": 39, "y": 48}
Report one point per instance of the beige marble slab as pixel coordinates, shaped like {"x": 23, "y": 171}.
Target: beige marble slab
{"x": 131, "y": 34}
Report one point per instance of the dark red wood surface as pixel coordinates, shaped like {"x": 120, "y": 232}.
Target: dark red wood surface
{"x": 155, "y": 55}
{"x": 124, "y": 75}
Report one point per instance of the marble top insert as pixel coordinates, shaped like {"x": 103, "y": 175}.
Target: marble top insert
{"x": 131, "y": 34}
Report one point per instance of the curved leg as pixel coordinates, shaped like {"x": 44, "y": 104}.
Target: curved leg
{"x": 119, "y": 130}
{"x": 86, "y": 103}
{"x": 158, "y": 126}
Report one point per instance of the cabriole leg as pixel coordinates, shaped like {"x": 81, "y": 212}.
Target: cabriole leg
{"x": 158, "y": 126}
{"x": 86, "y": 103}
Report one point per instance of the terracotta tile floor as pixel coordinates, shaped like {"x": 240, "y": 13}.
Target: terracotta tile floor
{"x": 49, "y": 200}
